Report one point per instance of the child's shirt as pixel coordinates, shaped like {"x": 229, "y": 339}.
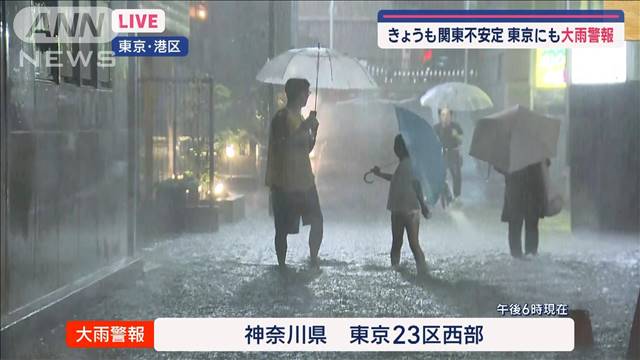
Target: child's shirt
{"x": 402, "y": 195}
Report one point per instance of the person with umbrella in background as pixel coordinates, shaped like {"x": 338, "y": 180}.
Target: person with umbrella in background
{"x": 450, "y": 134}
{"x": 518, "y": 143}
{"x": 289, "y": 174}
{"x": 444, "y": 99}
{"x": 405, "y": 201}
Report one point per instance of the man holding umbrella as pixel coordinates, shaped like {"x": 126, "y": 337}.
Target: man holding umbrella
{"x": 443, "y": 99}
{"x": 289, "y": 174}
{"x": 291, "y": 139}
{"x": 450, "y": 134}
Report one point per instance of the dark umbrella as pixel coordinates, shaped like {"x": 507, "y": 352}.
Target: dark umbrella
{"x": 515, "y": 138}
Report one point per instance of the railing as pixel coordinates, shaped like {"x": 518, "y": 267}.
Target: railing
{"x": 386, "y": 76}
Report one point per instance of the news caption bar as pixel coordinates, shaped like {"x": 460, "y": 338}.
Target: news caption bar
{"x": 150, "y": 46}
{"x": 500, "y": 29}
{"x": 327, "y": 334}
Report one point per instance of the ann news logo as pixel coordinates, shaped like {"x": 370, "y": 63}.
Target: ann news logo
{"x": 80, "y": 25}
{"x": 65, "y": 24}
{"x": 47, "y": 26}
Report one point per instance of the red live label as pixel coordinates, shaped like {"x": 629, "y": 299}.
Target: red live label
{"x": 110, "y": 334}
{"x": 137, "y": 21}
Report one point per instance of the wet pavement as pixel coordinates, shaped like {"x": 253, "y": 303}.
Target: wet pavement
{"x": 232, "y": 274}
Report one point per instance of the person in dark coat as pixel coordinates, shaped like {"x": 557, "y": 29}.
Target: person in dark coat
{"x": 524, "y": 202}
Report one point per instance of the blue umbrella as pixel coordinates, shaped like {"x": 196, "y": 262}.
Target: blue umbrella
{"x": 425, "y": 152}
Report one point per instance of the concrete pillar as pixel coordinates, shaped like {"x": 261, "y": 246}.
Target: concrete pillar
{"x": 294, "y": 24}
{"x": 149, "y": 97}
{"x": 516, "y": 75}
{"x": 633, "y": 60}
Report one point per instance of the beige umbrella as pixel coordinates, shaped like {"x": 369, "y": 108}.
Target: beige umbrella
{"x": 515, "y": 138}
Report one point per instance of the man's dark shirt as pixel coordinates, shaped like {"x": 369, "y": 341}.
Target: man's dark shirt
{"x": 450, "y": 136}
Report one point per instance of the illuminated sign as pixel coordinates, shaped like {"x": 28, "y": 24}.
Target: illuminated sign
{"x": 550, "y": 68}
{"x": 598, "y": 66}
{"x": 631, "y": 16}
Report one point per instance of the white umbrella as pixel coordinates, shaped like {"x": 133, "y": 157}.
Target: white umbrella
{"x": 332, "y": 69}
{"x": 456, "y": 96}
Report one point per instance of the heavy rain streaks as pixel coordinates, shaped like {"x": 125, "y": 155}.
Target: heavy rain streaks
{"x": 138, "y": 191}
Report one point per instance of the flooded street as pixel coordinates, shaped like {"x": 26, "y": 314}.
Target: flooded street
{"x": 157, "y": 157}
{"x": 233, "y": 273}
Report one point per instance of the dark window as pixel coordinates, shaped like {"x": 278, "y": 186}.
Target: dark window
{"x": 70, "y": 73}
{"x": 40, "y": 50}
{"x": 89, "y": 73}
{"x": 104, "y": 73}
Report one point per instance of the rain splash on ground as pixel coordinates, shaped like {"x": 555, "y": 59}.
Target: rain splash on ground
{"x": 231, "y": 274}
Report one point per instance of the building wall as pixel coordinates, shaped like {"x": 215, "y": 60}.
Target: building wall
{"x": 66, "y": 172}
{"x": 354, "y": 29}
{"x": 604, "y": 156}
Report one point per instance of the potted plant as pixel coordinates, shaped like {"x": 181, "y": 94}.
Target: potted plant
{"x": 171, "y": 199}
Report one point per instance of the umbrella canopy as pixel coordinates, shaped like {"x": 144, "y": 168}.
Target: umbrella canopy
{"x": 515, "y": 138}
{"x": 375, "y": 106}
{"x": 336, "y": 71}
{"x": 456, "y": 96}
{"x": 369, "y": 100}
{"x": 425, "y": 152}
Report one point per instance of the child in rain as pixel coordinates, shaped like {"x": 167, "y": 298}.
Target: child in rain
{"x": 405, "y": 202}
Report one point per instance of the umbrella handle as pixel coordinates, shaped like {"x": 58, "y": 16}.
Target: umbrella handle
{"x": 366, "y": 176}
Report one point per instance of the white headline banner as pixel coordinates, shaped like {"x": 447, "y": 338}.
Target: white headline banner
{"x": 508, "y": 35}
{"x": 364, "y": 334}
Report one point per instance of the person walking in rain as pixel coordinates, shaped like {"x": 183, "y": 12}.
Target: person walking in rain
{"x": 450, "y": 134}
{"x": 405, "y": 202}
{"x": 289, "y": 175}
{"x": 524, "y": 201}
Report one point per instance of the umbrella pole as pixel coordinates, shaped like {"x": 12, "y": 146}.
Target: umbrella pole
{"x": 315, "y": 103}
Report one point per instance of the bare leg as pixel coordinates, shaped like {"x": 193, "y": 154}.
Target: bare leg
{"x": 456, "y": 174}
{"x": 413, "y": 230}
{"x": 281, "y": 248}
{"x": 531, "y": 235}
{"x": 515, "y": 236}
{"x": 315, "y": 239}
{"x": 397, "y": 231}
{"x": 454, "y": 165}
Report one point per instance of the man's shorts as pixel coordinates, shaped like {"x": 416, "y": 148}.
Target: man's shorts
{"x": 290, "y": 206}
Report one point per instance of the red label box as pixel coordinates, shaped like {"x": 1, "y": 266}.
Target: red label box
{"x": 110, "y": 334}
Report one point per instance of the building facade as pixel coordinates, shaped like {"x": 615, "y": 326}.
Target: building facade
{"x": 71, "y": 153}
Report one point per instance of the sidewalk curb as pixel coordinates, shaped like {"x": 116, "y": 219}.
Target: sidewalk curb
{"x": 26, "y": 324}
